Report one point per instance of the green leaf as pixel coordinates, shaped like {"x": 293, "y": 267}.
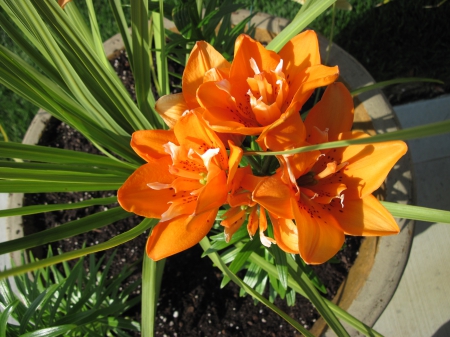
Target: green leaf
{"x": 411, "y": 133}
{"x": 299, "y": 23}
{"x": 317, "y": 300}
{"x": 32, "y": 175}
{"x": 5, "y": 315}
{"x": 241, "y": 258}
{"x": 215, "y": 258}
{"x": 141, "y": 58}
{"x": 18, "y": 186}
{"x": 51, "y": 332}
{"x": 117, "y": 240}
{"x": 417, "y": 212}
{"x": 152, "y": 274}
{"x": 383, "y": 84}
{"x": 61, "y": 156}
{"x": 66, "y": 230}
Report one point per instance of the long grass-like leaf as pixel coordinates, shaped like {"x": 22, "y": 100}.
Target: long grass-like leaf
{"x": 299, "y": 23}
{"x": 432, "y": 129}
{"x": 60, "y": 176}
{"x": 55, "y": 155}
{"x": 66, "y": 230}
{"x": 383, "y": 84}
{"x": 116, "y": 7}
{"x": 51, "y": 332}
{"x": 5, "y": 315}
{"x": 19, "y": 186}
{"x": 152, "y": 273}
{"x": 117, "y": 240}
{"x": 417, "y": 212}
{"x": 316, "y": 299}
{"x": 123, "y": 109}
{"x": 141, "y": 57}
{"x": 35, "y": 209}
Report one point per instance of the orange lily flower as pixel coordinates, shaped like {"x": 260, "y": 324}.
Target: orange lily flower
{"x": 255, "y": 91}
{"x": 183, "y": 183}
{"x": 317, "y": 197}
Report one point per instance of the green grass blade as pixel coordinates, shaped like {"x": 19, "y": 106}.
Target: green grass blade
{"x": 152, "y": 273}
{"x": 60, "y": 176}
{"x": 100, "y": 77}
{"x": 96, "y": 37}
{"x": 141, "y": 57}
{"x": 299, "y": 23}
{"x": 316, "y": 299}
{"x": 7, "y": 312}
{"x": 215, "y": 258}
{"x": 51, "y": 332}
{"x": 46, "y": 67}
{"x": 35, "y": 209}
{"x": 417, "y": 212}
{"x": 241, "y": 258}
{"x": 161, "y": 54}
{"x": 55, "y": 155}
{"x": 66, "y": 230}
{"x": 77, "y": 19}
{"x": 117, "y": 240}
{"x": 116, "y": 7}
{"x": 61, "y": 167}
{"x": 31, "y": 310}
{"x": 383, "y": 84}
{"x": 18, "y": 186}
{"x": 76, "y": 84}
{"x": 432, "y": 129}
{"x": 42, "y": 91}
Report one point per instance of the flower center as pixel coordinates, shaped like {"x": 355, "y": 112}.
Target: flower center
{"x": 267, "y": 92}
{"x": 307, "y": 180}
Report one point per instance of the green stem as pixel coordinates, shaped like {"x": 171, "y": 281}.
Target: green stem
{"x": 152, "y": 273}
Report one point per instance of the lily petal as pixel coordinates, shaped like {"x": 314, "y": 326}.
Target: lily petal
{"x": 213, "y": 194}
{"x": 368, "y": 165}
{"x": 334, "y": 112}
{"x": 366, "y": 217}
{"x": 221, "y": 110}
{"x": 171, "y": 107}
{"x": 301, "y": 52}
{"x": 245, "y": 49}
{"x": 135, "y": 196}
{"x": 149, "y": 144}
{"x": 286, "y": 133}
{"x": 304, "y": 83}
{"x": 233, "y": 161}
{"x": 203, "y": 57}
{"x": 319, "y": 234}
{"x": 178, "y": 234}
{"x": 275, "y": 196}
{"x": 193, "y": 133}
{"x": 285, "y": 233}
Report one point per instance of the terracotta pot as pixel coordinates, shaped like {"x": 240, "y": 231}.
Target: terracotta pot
{"x": 376, "y": 273}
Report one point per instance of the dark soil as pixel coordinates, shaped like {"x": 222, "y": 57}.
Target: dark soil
{"x": 191, "y": 302}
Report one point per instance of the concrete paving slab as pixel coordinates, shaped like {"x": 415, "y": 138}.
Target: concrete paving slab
{"x": 420, "y": 306}
{"x": 421, "y": 113}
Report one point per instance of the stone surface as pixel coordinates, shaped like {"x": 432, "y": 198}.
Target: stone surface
{"x": 420, "y": 306}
